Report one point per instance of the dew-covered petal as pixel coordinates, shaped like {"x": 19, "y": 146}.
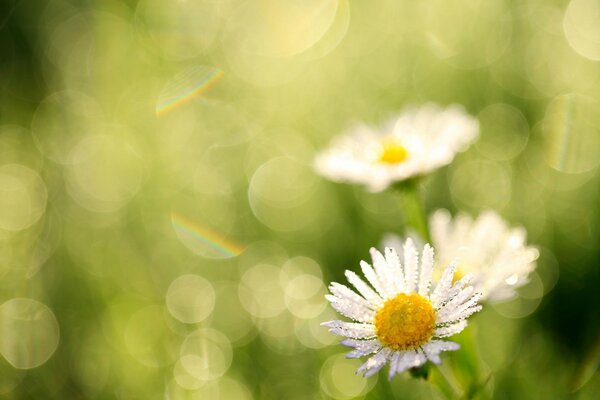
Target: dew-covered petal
{"x": 426, "y": 271}
{"x": 345, "y": 293}
{"x": 395, "y": 363}
{"x": 451, "y": 329}
{"x": 463, "y": 310}
{"x": 435, "y": 347}
{"x": 464, "y": 313}
{"x": 411, "y": 265}
{"x": 373, "y": 279}
{"x": 385, "y": 278}
{"x": 403, "y": 360}
{"x": 375, "y": 363}
{"x": 441, "y": 290}
{"x": 451, "y": 306}
{"x": 355, "y": 311}
{"x": 361, "y": 347}
{"x": 395, "y": 267}
{"x": 365, "y": 290}
{"x": 457, "y": 287}
{"x": 353, "y": 330}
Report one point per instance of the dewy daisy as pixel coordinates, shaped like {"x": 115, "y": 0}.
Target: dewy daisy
{"x": 399, "y": 319}
{"x": 487, "y": 247}
{"x": 416, "y": 142}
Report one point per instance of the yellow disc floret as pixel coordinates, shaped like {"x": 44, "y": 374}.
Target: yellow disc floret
{"x": 405, "y": 322}
{"x": 392, "y": 151}
{"x": 458, "y": 275}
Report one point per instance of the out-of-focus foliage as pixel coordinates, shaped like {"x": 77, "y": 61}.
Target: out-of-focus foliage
{"x": 163, "y": 234}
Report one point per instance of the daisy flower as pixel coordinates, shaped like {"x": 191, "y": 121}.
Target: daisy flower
{"x": 487, "y": 247}
{"x": 416, "y": 142}
{"x": 398, "y": 318}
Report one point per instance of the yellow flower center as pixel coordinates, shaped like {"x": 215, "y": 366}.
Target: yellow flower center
{"x": 392, "y": 151}
{"x": 405, "y": 322}
{"x": 458, "y": 275}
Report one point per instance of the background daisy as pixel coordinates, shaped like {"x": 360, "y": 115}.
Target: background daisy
{"x": 417, "y": 141}
{"x": 487, "y": 247}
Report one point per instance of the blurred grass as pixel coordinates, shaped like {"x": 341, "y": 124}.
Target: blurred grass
{"x": 95, "y": 241}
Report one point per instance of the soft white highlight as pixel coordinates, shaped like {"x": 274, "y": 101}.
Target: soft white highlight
{"x": 487, "y": 247}
{"x": 431, "y": 134}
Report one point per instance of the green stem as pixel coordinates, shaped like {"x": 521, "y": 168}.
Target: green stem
{"x": 384, "y": 388}
{"x": 469, "y": 364}
{"x": 413, "y": 209}
{"x": 438, "y": 377}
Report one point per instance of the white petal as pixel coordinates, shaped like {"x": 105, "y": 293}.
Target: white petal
{"x": 351, "y": 310}
{"x": 441, "y": 289}
{"x": 350, "y": 329}
{"x": 435, "y": 347}
{"x": 463, "y": 314}
{"x": 386, "y": 280}
{"x": 449, "y": 330}
{"x": 417, "y": 359}
{"x": 411, "y": 265}
{"x": 364, "y": 289}
{"x": 343, "y": 292}
{"x": 457, "y": 287}
{"x": 375, "y": 363}
{"x": 462, "y": 310}
{"x": 403, "y": 360}
{"x": 426, "y": 271}
{"x": 361, "y": 347}
{"x": 452, "y": 305}
{"x": 393, "y": 262}
{"x": 395, "y": 364}
{"x": 372, "y": 277}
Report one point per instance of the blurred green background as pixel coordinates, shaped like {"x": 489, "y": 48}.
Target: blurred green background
{"x": 163, "y": 234}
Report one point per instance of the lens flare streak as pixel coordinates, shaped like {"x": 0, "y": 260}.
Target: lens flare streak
{"x": 205, "y": 237}
{"x": 179, "y": 91}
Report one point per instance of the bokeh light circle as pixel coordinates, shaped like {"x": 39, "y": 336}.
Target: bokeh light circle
{"x": 181, "y": 29}
{"x": 260, "y": 292}
{"x": 571, "y": 129}
{"x": 206, "y": 354}
{"x": 90, "y": 44}
{"x": 481, "y": 184}
{"x": 29, "y": 332}
{"x": 230, "y": 317}
{"x": 61, "y": 120}
{"x": 311, "y": 334}
{"x": 23, "y": 197}
{"x": 282, "y": 30}
{"x": 528, "y": 299}
{"x": 339, "y": 380}
{"x": 468, "y": 34}
{"x": 581, "y": 24}
{"x": 281, "y": 194}
{"x": 190, "y": 298}
{"x": 504, "y": 132}
{"x": 104, "y": 173}
{"x": 149, "y": 339}
{"x": 304, "y": 296}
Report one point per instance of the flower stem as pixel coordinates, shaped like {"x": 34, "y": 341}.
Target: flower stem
{"x": 439, "y": 378}
{"x": 468, "y": 364}
{"x": 384, "y": 388}
{"x": 413, "y": 209}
